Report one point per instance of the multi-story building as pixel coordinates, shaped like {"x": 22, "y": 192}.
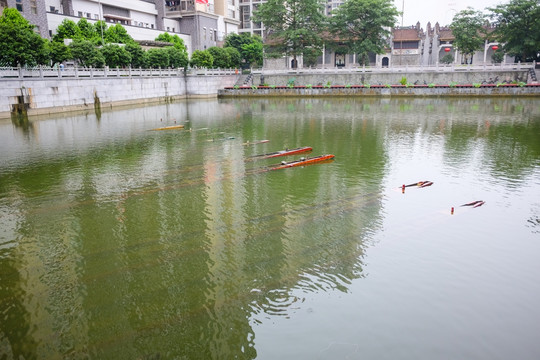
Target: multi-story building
{"x": 247, "y": 23}
{"x": 331, "y": 5}
{"x": 200, "y": 23}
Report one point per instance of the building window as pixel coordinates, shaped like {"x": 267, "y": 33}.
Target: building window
{"x": 19, "y": 6}
{"x": 406, "y": 44}
{"x": 80, "y": 14}
{"x": 204, "y": 32}
{"x": 96, "y": 16}
{"x": 33, "y": 7}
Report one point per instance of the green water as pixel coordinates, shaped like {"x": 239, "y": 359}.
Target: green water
{"x": 117, "y": 242}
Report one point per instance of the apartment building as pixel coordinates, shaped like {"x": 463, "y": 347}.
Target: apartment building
{"x": 247, "y": 24}
{"x": 200, "y": 23}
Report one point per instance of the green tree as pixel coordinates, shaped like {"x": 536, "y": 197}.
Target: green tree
{"x": 87, "y": 30}
{"x": 101, "y": 30}
{"x": 177, "y": 58}
{"x": 116, "y": 56}
{"x": 253, "y": 53}
{"x": 59, "y": 52}
{"x": 235, "y": 58}
{"x": 19, "y": 43}
{"x": 86, "y": 54}
{"x": 517, "y": 27}
{"x": 67, "y": 29}
{"x": 468, "y": 29}
{"x": 173, "y": 39}
{"x": 117, "y": 34}
{"x": 362, "y": 26}
{"x": 238, "y": 42}
{"x": 222, "y": 58}
{"x": 158, "y": 58}
{"x": 293, "y": 26}
{"x": 202, "y": 58}
{"x": 310, "y": 57}
{"x": 138, "y": 55}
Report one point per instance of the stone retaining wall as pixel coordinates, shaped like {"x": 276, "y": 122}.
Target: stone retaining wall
{"x": 375, "y": 78}
{"x": 463, "y": 90}
{"x": 46, "y": 96}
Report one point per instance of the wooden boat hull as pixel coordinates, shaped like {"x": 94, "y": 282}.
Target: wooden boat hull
{"x": 303, "y": 162}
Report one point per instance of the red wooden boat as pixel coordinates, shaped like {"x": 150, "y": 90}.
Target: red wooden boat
{"x": 303, "y": 161}
{"x": 286, "y": 152}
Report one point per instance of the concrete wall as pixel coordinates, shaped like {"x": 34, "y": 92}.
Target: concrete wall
{"x": 43, "y": 96}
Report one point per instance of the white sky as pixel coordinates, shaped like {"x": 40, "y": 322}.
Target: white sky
{"x": 441, "y": 11}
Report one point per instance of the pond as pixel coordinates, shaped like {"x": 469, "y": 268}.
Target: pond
{"x": 119, "y": 242}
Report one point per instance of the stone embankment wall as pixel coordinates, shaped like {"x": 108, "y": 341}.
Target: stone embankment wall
{"x": 46, "y": 96}
{"x": 377, "y": 90}
{"x": 35, "y": 96}
{"x": 392, "y": 78}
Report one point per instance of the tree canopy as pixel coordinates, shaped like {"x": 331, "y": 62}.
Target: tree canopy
{"x": 173, "y": 39}
{"x": 202, "y": 58}
{"x": 86, "y": 53}
{"x": 68, "y": 29}
{"x": 19, "y": 43}
{"x": 362, "y": 26}
{"x": 221, "y": 57}
{"x": 117, "y": 34}
{"x": 517, "y": 25}
{"x": 115, "y": 55}
{"x": 248, "y": 46}
{"x": 294, "y": 26}
{"x": 468, "y": 29}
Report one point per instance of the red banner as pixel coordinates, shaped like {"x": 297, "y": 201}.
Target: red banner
{"x": 202, "y": 1}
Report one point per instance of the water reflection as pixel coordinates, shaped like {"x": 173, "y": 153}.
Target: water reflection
{"x": 118, "y": 242}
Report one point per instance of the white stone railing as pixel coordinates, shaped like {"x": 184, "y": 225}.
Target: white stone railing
{"x": 398, "y": 69}
{"x": 42, "y": 72}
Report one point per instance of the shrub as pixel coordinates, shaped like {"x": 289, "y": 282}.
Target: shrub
{"x": 447, "y": 59}
{"x": 497, "y": 57}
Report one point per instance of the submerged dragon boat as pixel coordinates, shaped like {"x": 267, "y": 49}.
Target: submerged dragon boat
{"x": 286, "y": 152}
{"x": 172, "y": 127}
{"x": 303, "y": 162}
{"x": 255, "y": 142}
